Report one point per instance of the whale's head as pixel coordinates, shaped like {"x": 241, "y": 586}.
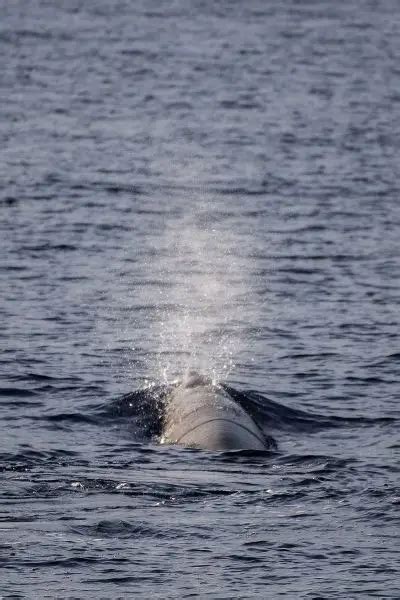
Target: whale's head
{"x": 193, "y": 379}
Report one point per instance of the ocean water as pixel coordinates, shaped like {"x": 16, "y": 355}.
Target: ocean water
{"x": 208, "y": 185}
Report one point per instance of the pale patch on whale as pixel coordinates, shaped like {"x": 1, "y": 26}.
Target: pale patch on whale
{"x": 201, "y": 414}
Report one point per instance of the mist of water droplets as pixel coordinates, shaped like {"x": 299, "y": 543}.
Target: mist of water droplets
{"x": 199, "y": 264}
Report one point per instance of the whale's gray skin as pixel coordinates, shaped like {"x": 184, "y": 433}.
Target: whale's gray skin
{"x": 202, "y": 415}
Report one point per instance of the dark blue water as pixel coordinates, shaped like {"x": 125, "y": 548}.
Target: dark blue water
{"x": 211, "y": 185}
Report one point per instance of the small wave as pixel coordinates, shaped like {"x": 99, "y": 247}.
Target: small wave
{"x": 389, "y": 360}
{"x": 69, "y": 417}
{"x": 121, "y": 530}
{"x": 20, "y": 392}
{"x": 274, "y": 415}
{"x": 29, "y": 457}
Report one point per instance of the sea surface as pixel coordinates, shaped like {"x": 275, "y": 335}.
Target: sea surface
{"x": 211, "y": 185}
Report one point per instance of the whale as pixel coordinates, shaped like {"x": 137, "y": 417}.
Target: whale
{"x": 201, "y": 414}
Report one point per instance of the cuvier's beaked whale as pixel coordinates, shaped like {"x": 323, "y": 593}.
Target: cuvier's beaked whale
{"x": 202, "y": 415}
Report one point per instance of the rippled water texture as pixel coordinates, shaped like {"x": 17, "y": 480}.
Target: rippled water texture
{"x": 209, "y": 185}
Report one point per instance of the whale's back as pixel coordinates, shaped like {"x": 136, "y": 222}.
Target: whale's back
{"x": 202, "y": 415}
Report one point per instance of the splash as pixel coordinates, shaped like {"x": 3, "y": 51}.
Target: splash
{"x": 204, "y": 283}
